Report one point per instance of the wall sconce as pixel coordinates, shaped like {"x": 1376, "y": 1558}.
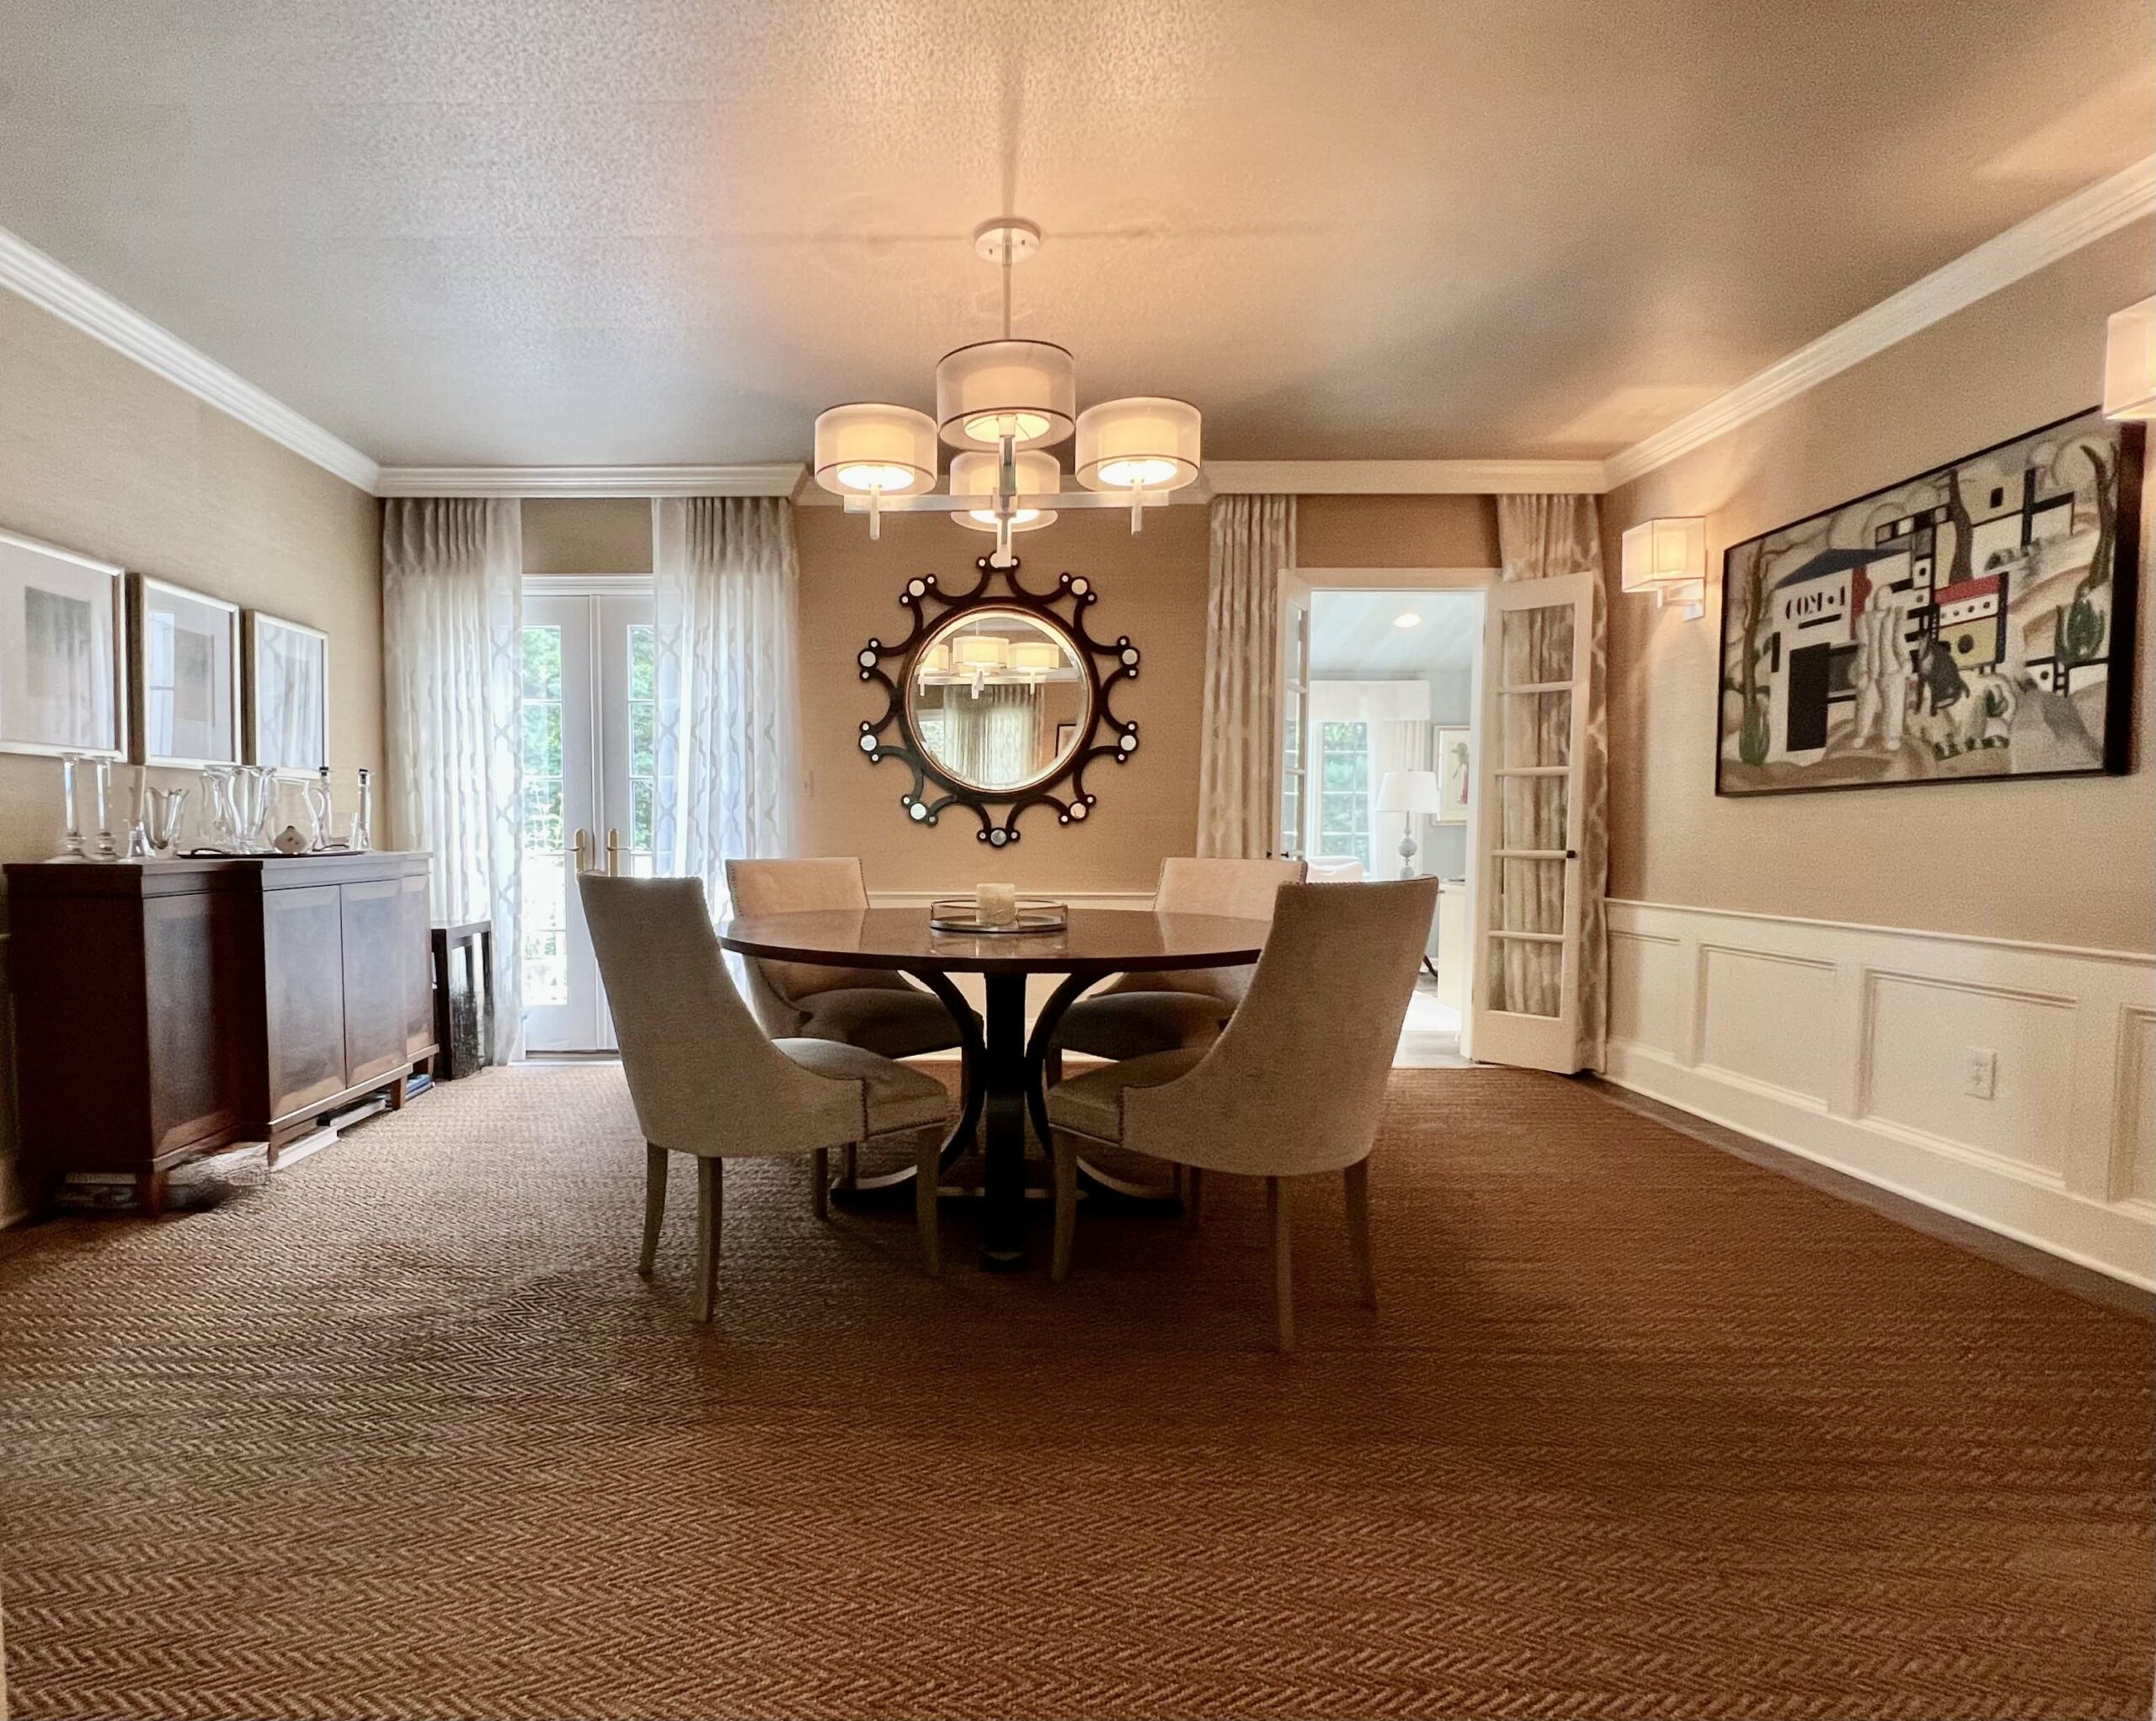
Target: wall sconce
{"x": 1668, "y": 557}
{"x": 2130, "y": 362}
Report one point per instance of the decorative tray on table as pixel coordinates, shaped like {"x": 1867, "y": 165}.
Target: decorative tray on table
{"x": 1034, "y": 914}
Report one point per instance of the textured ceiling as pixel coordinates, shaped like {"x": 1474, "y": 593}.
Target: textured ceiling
{"x": 1355, "y": 635}
{"x": 670, "y": 230}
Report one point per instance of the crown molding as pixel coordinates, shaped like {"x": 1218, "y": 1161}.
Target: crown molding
{"x": 767, "y": 478}
{"x": 1403, "y": 477}
{"x": 2049, "y": 235}
{"x": 51, "y": 286}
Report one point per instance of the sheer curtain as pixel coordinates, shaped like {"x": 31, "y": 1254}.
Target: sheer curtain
{"x": 452, "y": 612}
{"x": 1253, "y": 539}
{"x": 725, "y": 594}
{"x": 1539, "y": 536}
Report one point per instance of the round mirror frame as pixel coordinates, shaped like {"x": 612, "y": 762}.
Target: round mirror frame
{"x": 891, "y": 735}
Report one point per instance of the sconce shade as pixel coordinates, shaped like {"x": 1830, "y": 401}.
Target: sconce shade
{"x": 1662, "y": 553}
{"x": 974, "y": 474}
{"x": 1028, "y": 390}
{"x": 1145, "y": 442}
{"x": 1409, "y": 792}
{"x": 2130, "y": 362}
{"x": 872, "y": 449}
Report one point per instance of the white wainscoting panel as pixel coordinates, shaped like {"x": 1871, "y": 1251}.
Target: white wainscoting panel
{"x": 1851, "y": 1044}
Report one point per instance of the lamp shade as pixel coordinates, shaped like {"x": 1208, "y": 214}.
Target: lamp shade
{"x": 1145, "y": 442}
{"x": 974, "y": 475}
{"x": 2130, "y": 362}
{"x": 1026, "y": 390}
{"x": 980, "y": 650}
{"x": 1408, "y": 791}
{"x": 1661, "y": 553}
{"x": 872, "y": 449}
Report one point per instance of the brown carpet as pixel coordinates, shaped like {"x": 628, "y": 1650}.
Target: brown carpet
{"x": 1640, "y": 1431}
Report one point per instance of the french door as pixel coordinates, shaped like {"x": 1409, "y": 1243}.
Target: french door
{"x": 1294, "y": 812}
{"x": 588, "y": 764}
{"x": 1524, "y": 1005}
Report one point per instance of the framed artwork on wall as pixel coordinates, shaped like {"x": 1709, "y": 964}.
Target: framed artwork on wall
{"x": 1975, "y": 621}
{"x": 186, "y": 676}
{"x": 63, "y": 667}
{"x": 287, "y": 695}
{"x": 1452, "y": 751}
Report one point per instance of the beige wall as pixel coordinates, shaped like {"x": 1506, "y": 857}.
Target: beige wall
{"x": 99, "y": 455}
{"x": 2066, "y": 861}
{"x": 1152, "y": 587}
{"x": 587, "y": 535}
{"x": 1396, "y": 531}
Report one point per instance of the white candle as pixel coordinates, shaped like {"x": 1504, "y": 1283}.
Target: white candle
{"x": 997, "y": 905}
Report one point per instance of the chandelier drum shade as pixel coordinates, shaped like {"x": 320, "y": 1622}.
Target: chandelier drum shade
{"x": 976, "y": 476}
{"x": 1001, "y": 404}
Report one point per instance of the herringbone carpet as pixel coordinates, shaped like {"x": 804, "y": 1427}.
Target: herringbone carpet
{"x": 1640, "y": 1430}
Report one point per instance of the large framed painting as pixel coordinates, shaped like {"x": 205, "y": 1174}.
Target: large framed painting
{"x": 287, "y": 695}
{"x": 63, "y": 680}
{"x": 187, "y": 652}
{"x": 1975, "y": 621}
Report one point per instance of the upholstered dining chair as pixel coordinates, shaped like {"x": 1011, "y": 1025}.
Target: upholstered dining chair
{"x": 706, "y": 1082}
{"x": 1138, "y": 1014}
{"x": 873, "y": 1008}
{"x": 1293, "y": 1086}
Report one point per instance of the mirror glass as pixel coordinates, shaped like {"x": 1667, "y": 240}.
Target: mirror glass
{"x": 999, "y": 699}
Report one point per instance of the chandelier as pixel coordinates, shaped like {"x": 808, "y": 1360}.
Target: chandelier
{"x": 1001, "y": 405}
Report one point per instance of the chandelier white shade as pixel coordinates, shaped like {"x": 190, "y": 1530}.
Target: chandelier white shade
{"x": 2130, "y": 362}
{"x": 1025, "y": 389}
{"x": 980, "y": 650}
{"x": 1036, "y": 657}
{"x": 1145, "y": 442}
{"x": 975, "y": 475}
{"x": 868, "y": 449}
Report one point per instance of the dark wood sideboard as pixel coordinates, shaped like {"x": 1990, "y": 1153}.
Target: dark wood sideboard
{"x": 164, "y": 1009}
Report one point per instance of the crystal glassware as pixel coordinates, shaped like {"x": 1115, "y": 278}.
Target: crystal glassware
{"x": 321, "y": 812}
{"x": 362, "y": 835}
{"x": 72, "y": 841}
{"x": 161, "y": 811}
{"x": 101, "y": 781}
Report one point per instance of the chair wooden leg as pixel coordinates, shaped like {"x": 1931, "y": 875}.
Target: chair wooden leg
{"x": 849, "y": 1164}
{"x": 819, "y": 1174}
{"x": 711, "y": 1201}
{"x": 1356, "y": 1178}
{"x": 1284, "y": 1281}
{"x": 654, "y": 1205}
{"x": 1052, "y": 1066}
{"x": 927, "y": 1177}
{"x": 1065, "y": 1157}
{"x": 1193, "y": 1193}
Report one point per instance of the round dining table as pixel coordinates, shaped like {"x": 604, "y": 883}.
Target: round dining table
{"x": 1003, "y": 1063}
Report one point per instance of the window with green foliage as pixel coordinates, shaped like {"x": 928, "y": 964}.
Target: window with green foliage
{"x": 1343, "y": 803}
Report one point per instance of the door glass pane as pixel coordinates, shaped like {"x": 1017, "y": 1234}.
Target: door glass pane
{"x": 1535, "y": 646}
{"x": 1526, "y": 978}
{"x": 1535, "y": 728}
{"x": 1531, "y": 812}
{"x": 1529, "y": 896}
{"x": 643, "y": 733}
{"x": 545, "y": 872}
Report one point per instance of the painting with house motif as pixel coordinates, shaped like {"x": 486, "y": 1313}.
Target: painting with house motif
{"x": 1975, "y": 621}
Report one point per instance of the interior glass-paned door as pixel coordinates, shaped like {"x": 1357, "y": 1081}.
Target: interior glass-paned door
{"x": 1297, "y": 808}
{"x": 1524, "y": 1006}
{"x": 588, "y": 741}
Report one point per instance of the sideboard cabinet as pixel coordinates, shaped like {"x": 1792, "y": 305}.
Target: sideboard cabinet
{"x": 164, "y": 1009}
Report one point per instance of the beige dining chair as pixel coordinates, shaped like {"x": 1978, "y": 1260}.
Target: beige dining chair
{"x": 873, "y": 1008}
{"x": 1293, "y": 1086}
{"x": 706, "y": 1081}
{"x": 1138, "y": 1014}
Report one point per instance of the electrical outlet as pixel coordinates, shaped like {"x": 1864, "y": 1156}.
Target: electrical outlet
{"x": 1980, "y": 1079}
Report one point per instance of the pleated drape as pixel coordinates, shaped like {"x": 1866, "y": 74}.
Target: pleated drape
{"x": 1538, "y": 537}
{"x": 452, "y": 573}
{"x": 726, "y": 586}
{"x": 1253, "y": 539}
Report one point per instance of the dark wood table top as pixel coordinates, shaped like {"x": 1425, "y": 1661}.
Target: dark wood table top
{"x": 1097, "y": 940}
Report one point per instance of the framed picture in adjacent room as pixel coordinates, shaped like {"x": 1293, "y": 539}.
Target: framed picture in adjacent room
{"x": 1452, "y": 751}
{"x": 187, "y": 686}
{"x": 1974, "y": 621}
{"x": 63, "y": 665}
{"x": 287, "y": 695}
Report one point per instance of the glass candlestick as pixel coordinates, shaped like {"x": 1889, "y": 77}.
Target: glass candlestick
{"x": 72, "y": 841}
{"x": 101, "y": 781}
{"x": 362, "y": 837}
